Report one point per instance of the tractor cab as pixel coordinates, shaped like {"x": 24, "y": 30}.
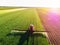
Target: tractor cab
{"x": 31, "y": 28}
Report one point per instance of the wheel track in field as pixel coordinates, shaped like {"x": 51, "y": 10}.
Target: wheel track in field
{"x": 51, "y": 23}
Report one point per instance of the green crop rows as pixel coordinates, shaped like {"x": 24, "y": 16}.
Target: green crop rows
{"x": 20, "y": 20}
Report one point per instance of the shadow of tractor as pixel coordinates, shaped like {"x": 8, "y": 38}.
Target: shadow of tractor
{"x": 25, "y": 37}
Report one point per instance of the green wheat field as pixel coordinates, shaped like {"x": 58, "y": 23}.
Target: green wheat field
{"x": 20, "y": 18}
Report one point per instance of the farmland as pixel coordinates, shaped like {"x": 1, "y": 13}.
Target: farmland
{"x": 51, "y": 21}
{"x": 20, "y": 19}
